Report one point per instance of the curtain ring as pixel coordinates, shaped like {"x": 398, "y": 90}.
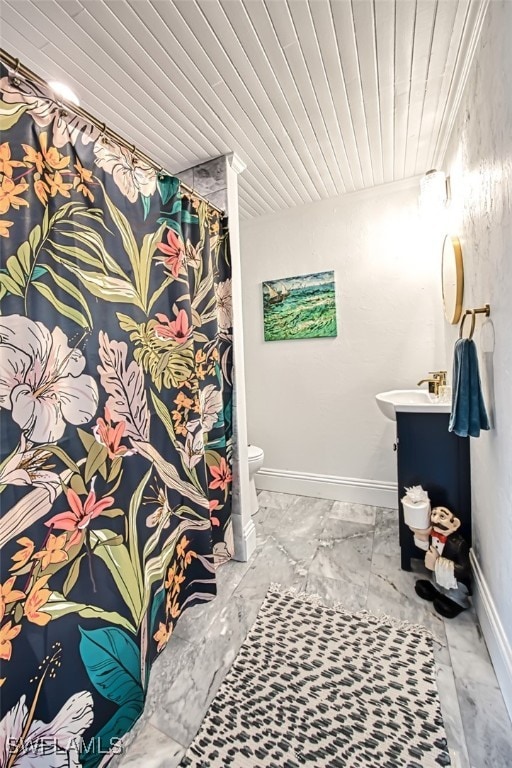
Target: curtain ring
{"x": 132, "y": 152}
{"x": 473, "y": 321}
{"x": 15, "y": 78}
{"x": 103, "y": 137}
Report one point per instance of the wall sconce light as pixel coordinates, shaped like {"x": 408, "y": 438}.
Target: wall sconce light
{"x": 434, "y": 191}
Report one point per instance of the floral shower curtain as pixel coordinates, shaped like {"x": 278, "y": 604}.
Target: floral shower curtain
{"x": 115, "y": 407}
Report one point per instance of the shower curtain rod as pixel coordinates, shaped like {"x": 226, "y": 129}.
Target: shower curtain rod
{"x": 26, "y": 73}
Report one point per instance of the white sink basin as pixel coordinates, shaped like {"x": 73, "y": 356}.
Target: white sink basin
{"x": 409, "y": 401}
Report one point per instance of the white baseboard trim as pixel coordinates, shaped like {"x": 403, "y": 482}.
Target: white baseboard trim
{"x": 355, "y": 490}
{"x": 244, "y": 536}
{"x": 499, "y": 647}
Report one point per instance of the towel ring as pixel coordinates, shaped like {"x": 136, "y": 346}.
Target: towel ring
{"x": 473, "y": 321}
{"x": 485, "y": 310}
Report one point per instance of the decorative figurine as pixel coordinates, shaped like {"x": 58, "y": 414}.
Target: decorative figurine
{"x": 447, "y": 557}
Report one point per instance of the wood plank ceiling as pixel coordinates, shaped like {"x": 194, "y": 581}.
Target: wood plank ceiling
{"x": 317, "y": 97}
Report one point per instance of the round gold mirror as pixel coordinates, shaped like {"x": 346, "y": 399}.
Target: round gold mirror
{"x": 452, "y": 279}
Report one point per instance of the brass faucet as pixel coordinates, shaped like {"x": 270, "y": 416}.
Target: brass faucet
{"x": 437, "y": 379}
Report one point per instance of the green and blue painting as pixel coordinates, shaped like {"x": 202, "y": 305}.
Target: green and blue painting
{"x": 302, "y": 307}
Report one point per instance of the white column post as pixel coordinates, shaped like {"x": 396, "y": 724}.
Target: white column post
{"x": 244, "y": 532}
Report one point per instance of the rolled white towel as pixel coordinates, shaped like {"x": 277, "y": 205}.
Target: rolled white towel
{"x": 445, "y": 573}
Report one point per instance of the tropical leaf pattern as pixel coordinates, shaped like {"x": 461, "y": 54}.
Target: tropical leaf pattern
{"x": 125, "y": 385}
{"x": 116, "y": 426}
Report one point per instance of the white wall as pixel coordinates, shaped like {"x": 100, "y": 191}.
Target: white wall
{"x": 311, "y": 402}
{"x": 479, "y": 161}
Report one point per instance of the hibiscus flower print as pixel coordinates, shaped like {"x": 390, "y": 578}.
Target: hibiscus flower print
{"x": 9, "y": 595}
{"x": 8, "y": 632}
{"x": 41, "y": 380}
{"x": 162, "y": 635}
{"x": 80, "y": 514}
{"x": 110, "y": 436}
{"x": 33, "y": 157}
{"x": 42, "y": 190}
{"x": 22, "y": 557}
{"x": 221, "y": 475}
{"x": 6, "y": 163}
{"x": 174, "y": 253}
{"x": 37, "y": 599}
{"x": 132, "y": 177}
{"x": 81, "y": 181}
{"x": 10, "y": 192}
{"x": 178, "y": 330}
{"x": 57, "y": 185}
{"x": 48, "y": 157}
{"x": 210, "y": 403}
{"x": 192, "y": 257}
{"x": 193, "y": 450}
{"x": 54, "y": 551}
{"x": 30, "y": 467}
{"x": 163, "y": 512}
{"x": 224, "y": 304}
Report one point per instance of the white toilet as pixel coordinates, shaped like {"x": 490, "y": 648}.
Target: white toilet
{"x": 256, "y": 457}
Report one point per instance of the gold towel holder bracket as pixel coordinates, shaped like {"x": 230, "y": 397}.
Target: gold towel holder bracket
{"x": 485, "y": 310}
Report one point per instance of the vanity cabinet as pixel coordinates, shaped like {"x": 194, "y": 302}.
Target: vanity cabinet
{"x": 430, "y": 456}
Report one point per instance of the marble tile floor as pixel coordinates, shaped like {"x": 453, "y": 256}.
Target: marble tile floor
{"x": 346, "y": 553}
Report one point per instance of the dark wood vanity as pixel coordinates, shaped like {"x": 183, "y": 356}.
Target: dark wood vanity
{"x": 430, "y": 456}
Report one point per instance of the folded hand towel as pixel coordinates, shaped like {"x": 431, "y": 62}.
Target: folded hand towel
{"x": 468, "y": 414}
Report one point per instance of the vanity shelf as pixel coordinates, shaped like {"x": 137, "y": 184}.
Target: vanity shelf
{"x": 430, "y": 456}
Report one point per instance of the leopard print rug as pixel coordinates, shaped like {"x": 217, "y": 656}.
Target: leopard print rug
{"x": 321, "y": 686}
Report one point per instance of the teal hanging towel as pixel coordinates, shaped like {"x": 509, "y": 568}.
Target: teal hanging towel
{"x": 468, "y": 414}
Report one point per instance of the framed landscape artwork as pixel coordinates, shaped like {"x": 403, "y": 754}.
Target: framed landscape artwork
{"x": 302, "y": 307}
